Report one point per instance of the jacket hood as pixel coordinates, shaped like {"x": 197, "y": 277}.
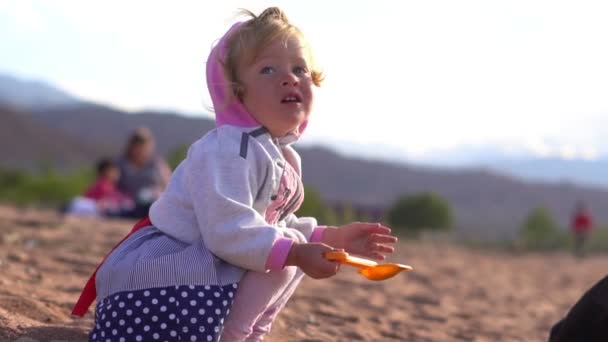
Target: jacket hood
{"x": 228, "y": 109}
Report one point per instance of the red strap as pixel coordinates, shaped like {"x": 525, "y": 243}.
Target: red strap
{"x": 89, "y": 293}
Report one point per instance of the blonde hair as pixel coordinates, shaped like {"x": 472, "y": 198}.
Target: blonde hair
{"x": 250, "y": 39}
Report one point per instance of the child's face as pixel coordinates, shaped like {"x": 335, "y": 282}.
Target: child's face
{"x": 278, "y": 86}
{"x": 113, "y": 174}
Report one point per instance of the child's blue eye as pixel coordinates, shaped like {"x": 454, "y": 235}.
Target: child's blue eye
{"x": 299, "y": 70}
{"x": 267, "y": 70}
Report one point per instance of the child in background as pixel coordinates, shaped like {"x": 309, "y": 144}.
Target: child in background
{"x": 222, "y": 250}
{"x": 109, "y": 200}
{"x": 581, "y": 225}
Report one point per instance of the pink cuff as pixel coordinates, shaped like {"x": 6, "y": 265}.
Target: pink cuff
{"x": 317, "y": 234}
{"x": 278, "y": 254}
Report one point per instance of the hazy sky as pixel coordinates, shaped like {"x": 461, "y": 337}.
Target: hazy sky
{"x": 418, "y": 77}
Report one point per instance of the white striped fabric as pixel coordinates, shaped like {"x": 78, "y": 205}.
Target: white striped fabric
{"x": 163, "y": 261}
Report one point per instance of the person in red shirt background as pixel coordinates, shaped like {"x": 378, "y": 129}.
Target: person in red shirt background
{"x": 110, "y": 201}
{"x": 581, "y": 225}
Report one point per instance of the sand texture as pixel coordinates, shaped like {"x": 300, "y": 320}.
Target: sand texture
{"x": 454, "y": 294}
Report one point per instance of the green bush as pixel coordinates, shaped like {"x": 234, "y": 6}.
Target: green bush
{"x": 598, "y": 240}
{"x": 177, "y": 155}
{"x": 313, "y": 206}
{"x": 422, "y": 211}
{"x": 46, "y": 187}
{"x": 348, "y": 215}
{"x": 539, "y": 231}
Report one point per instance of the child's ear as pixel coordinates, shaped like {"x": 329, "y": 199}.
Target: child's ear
{"x": 238, "y": 90}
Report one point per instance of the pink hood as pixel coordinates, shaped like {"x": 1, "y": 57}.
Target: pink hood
{"x": 228, "y": 109}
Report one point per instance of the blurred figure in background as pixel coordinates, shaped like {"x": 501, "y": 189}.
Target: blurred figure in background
{"x": 581, "y": 226}
{"x": 144, "y": 175}
{"x": 110, "y": 202}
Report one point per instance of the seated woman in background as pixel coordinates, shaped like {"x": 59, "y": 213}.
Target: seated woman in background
{"x": 143, "y": 174}
{"x": 109, "y": 200}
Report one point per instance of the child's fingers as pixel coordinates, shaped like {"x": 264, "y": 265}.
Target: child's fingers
{"x": 379, "y": 252}
{"x": 377, "y": 256}
{"x": 378, "y": 247}
{"x": 383, "y": 248}
{"x": 380, "y": 238}
{"x": 375, "y": 228}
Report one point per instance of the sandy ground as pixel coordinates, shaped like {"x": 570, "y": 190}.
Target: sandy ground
{"x": 454, "y": 294}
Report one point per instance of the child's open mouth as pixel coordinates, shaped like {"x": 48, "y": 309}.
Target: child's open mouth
{"x": 291, "y": 98}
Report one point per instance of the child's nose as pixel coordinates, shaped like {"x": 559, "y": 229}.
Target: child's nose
{"x": 289, "y": 80}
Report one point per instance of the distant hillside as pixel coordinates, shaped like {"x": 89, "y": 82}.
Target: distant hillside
{"x": 41, "y": 97}
{"x": 591, "y": 172}
{"x": 25, "y": 143}
{"x": 24, "y": 94}
{"x": 109, "y": 127}
{"x": 484, "y": 201}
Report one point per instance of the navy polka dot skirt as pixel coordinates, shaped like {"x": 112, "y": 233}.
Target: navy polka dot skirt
{"x": 176, "y": 313}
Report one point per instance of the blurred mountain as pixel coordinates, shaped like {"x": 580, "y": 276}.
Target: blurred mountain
{"x": 26, "y": 95}
{"x": 25, "y": 143}
{"x": 109, "y": 127}
{"x": 581, "y": 171}
{"x": 517, "y": 162}
{"x": 486, "y": 201}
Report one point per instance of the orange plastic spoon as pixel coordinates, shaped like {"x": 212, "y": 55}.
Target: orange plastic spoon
{"x": 368, "y": 268}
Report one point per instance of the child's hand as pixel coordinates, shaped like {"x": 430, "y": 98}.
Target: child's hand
{"x": 309, "y": 258}
{"x": 366, "y": 239}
